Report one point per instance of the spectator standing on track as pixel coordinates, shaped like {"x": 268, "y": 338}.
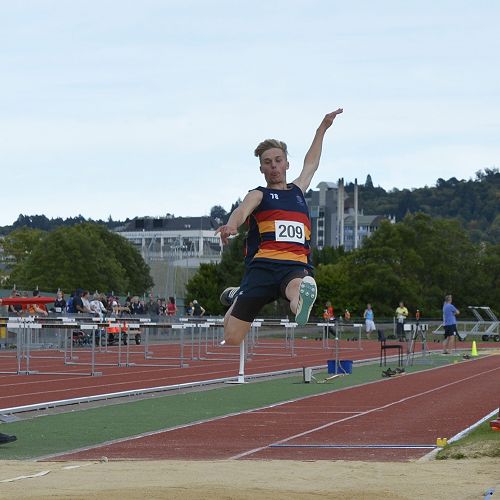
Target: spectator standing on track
{"x": 450, "y": 313}
{"x": 171, "y": 307}
{"x": 278, "y": 255}
{"x": 198, "y": 310}
{"x": 401, "y": 315}
{"x": 369, "y": 320}
{"x": 329, "y": 317}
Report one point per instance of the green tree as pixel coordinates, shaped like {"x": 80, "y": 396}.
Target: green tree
{"x": 218, "y": 212}
{"x": 136, "y": 270}
{"x": 20, "y": 243}
{"x": 83, "y": 256}
{"x": 488, "y": 293}
{"x": 232, "y": 266}
{"x": 418, "y": 260}
{"x": 211, "y": 279}
{"x": 204, "y": 286}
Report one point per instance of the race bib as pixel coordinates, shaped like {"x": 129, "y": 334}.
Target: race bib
{"x": 290, "y": 231}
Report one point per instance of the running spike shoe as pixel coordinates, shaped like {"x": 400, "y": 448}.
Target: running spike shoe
{"x": 307, "y": 296}
{"x": 228, "y": 295}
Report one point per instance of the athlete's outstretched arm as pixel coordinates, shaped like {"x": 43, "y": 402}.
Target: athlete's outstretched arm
{"x": 311, "y": 161}
{"x": 240, "y": 213}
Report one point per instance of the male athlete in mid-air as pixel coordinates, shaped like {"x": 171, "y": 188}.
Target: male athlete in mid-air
{"x": 277, "y": 261}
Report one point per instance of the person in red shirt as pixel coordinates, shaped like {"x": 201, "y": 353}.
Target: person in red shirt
{"x": 329, "y": 316}
{"x": 171, "y": 307}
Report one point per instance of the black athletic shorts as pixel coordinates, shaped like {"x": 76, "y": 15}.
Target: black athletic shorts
{"x": 450, "y": 330}
{"x": 264, "y": 283}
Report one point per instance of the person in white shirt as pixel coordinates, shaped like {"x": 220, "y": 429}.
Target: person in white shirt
{"x": 96, "y": 305}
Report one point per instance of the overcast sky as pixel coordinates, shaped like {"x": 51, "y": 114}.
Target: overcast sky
{"x": 147, "y": 107}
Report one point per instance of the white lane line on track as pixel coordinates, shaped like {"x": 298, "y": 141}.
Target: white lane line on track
{"x": 234, "y": 414}
{"x": 383, "y": 407}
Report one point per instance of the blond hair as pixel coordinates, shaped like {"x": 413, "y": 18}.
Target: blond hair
{"x": 270, "y": 144}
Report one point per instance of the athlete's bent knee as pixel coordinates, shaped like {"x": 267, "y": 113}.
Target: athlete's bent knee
{"x": 235, "y": 330}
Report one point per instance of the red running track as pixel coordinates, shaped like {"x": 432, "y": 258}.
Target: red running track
{"x": 406, "y": 411}
{"x": 20, "y": 390}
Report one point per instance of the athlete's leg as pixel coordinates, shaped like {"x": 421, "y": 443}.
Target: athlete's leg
{"x": 292, "y": 293}
{"x": 234, "y": 329}
{"x": 301, "y": 292}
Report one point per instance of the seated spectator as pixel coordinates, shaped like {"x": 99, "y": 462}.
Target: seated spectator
{"x": 114, "y": 305}
{"x": 15, "y": 308}
{"x": 70, "y": 306}
{"x": 59, "y": 303}
{"x": 86, "y": 301}
{"x": 37, "y": 309}
{"x": 171, "y": 307}
{"x": 128, "y": 300}
{"x": 78, "y": 305}
{"x": 96, "y": 305}
{"x": 136, "y": 306}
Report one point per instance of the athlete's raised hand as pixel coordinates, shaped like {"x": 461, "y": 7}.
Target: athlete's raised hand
{"x": 226, "y": 231}
{"x": 328, "y": 119}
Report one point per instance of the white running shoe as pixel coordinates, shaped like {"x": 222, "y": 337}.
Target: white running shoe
{"x": 228, "y": 295}
{"x": 307, "y": 296}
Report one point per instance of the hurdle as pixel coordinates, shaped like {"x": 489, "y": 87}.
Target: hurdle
{"x": 288, "y": 346}
{"x": 339, "y": 330}
{"x": 487, "y": 328}
{"x": 149, "y": 354}
{"x": 418, "y": 330}
{"x": 27, "y": 331}
{"x": 210, "y": 349}
{"x": 241, "y": 370}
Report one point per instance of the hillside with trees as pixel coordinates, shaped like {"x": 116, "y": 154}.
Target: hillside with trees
{"x": 475, "y": 203}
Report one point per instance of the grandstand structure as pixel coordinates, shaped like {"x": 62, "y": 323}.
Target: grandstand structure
{"x": 174, "y": 248}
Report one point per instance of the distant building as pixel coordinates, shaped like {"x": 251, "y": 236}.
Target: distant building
{"x": 174, "y": 248}
{"x": 328, "y": 227}
{"x": 367, "y": 225}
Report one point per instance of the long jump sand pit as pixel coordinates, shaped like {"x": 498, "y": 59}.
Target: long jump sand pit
{"x": 251, "y": 479}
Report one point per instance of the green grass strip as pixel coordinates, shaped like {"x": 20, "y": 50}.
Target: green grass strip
{"x": 481, "y": 442}
{"x": 78, "y": 427}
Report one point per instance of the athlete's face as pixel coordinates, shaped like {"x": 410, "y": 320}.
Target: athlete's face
{"x": 273, "y": 164}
